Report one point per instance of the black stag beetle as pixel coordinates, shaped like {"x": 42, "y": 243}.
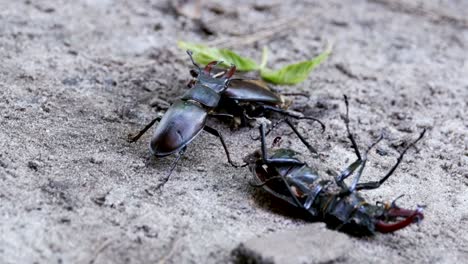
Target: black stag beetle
{"x": 246, "y": 99}
{"x": 340, "y": 206}
{"x": 187, "y": 117}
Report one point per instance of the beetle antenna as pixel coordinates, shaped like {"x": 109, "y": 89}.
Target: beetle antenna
{"x": 190, "y": 53}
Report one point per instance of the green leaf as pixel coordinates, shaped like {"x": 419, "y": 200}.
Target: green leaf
{"x": 201, "y": 53}
{"x": 294, "y": 73}
{"x": 204, "y": 55}
{"x": 242, "y": 63}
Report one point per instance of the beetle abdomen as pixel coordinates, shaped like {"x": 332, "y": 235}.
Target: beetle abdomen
{"x": 179, "y": 125}
{"x": 251, "y": 91}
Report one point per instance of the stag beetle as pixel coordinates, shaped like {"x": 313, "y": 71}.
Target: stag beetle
{"x": 333, "y": 202}
{"x": 211, "y": 94}
{"x": 187, "y": 117}
{"x": 246, "y": 99}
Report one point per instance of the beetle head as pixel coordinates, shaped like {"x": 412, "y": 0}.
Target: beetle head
{"x": 217, "y": 82}
{"x": 351, "y": 214}
{"x": 354, "y": 216}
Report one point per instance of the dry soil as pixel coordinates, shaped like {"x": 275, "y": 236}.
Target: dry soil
{"x": 76, "y": 77}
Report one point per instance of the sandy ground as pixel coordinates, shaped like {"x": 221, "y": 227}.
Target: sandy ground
{"x": 77, "y": 76}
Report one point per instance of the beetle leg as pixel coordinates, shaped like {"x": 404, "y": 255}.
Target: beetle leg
{"x": 358, "y": 175}
{"x": 232, "y": 118}
{"x": 361, "y": 164}
{"x": 348, "y": 171}
{"x": 242, "y": 112}
{"x": 296, "y": 94}
{"x": 257, "y": 185}
{"x": 136, "y": 137}
{"x": 273, "y": 126}
{"x": 222, "y": 115}
{"x": 215, "y": 133}
{"x": 245, "y": 117}
{"x": 311, "y": 196}
{"x": 296, "y": 200}
{"x": 292, "y": 199}
{"x": 353, "y": 166}
{"x": 376, "y": 184}
{"x": 303, "y": 140}
{"x": 350, "y": 135}
{"x": 293, "y": 115}
{"x": 277, "y": 161}
{"x": 174, "y": 163}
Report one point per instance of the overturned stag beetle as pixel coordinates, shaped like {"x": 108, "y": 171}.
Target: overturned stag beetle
{"x": 333, "y": 202}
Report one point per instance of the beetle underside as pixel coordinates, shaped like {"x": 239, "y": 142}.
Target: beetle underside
{"x": 330, "y": 200}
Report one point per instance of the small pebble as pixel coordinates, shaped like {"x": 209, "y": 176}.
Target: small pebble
{"x": 34, "y": 165}
{"x": 381, "y": 152}
{"x": 96, "y": 160}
